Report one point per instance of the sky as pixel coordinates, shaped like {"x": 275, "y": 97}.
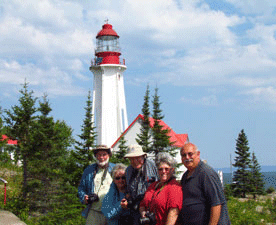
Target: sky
{"x": 213, "y": 62}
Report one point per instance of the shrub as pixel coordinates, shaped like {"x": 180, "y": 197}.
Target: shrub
{"x": 270, "y": 190}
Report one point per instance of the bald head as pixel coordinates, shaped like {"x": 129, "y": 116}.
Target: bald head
{"x": 189, "y": 145}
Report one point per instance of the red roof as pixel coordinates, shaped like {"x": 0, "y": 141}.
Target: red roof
{"x": 9, "y": 141}
{"x": 178, "y": 140}
{"x": 107, "y": 31}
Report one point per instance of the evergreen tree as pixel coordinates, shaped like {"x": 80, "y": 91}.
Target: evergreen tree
{"x": 20, "y": 122}
{"x": 144, "y": 137}
{"x": 118, "y": 157}
{"x": 49, "y": 144}
{"x": 257, "y": 179}
{"x": 3, "y": 153}
{"x": 242, "y": 176}
{"x": 161, "y": 141}
{"x": 82, "y": 156}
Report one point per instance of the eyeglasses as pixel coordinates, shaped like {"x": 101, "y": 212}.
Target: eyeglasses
{"x": 190, "y": 154}
{"x": 118, "y": 178}
{"x": 166, "y": 169}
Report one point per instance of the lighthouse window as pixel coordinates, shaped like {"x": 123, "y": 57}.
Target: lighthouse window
{"x": 108, "y": 43}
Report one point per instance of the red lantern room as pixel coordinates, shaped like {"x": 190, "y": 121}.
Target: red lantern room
{"x": 107, "y": 46}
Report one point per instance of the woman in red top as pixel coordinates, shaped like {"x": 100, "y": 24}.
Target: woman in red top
{"x": 164, "y": 197}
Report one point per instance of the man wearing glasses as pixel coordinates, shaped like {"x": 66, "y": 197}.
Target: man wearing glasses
{"x": 203, "y": 196}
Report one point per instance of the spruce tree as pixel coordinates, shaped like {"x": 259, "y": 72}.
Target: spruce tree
{"x": 82, "y": 156}
{"x": 118, "y": 157}
{"x": 257, "y": 179}
{"x": 3, "y": 153}
{"x": 20, "y": 121}
{"x": 144, "y": 138}
{"x": 160, "y": 139}
{"x": 48, "y": 148}
{"x": 242, "y": 176}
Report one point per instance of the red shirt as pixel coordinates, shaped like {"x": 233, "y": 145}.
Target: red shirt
{"x": 161, "y": 200}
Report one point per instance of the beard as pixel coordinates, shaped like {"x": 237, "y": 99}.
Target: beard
{"x": 102, "y": 164}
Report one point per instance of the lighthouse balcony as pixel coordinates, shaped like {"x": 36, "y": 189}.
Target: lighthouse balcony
{"x": 107, "y": 60}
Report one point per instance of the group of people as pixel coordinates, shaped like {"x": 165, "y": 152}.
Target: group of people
{"x": 147, "y": 192}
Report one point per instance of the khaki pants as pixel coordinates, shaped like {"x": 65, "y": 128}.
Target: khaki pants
{"x": 95, "y": 218}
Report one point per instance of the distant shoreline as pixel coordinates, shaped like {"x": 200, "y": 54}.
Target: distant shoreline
{"x": 263, "y": 169}
{"x": 269, "y": 179}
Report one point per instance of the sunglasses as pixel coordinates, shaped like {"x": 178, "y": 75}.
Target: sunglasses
{"x": 118, "y": 178}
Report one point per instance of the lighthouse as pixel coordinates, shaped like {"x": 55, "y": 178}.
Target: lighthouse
{"x": 109, "y": 104}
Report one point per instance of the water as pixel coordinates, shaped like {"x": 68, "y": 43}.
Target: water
{"x": 269, "y": 179}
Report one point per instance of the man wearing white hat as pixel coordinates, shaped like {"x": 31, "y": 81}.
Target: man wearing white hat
{"x": 94, "y": 185}
{"x": 139, "y": 175}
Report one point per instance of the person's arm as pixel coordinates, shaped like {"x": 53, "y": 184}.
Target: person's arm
{"x": 172, "y": 216}
{"x": 82, "y": 191}
{"x": 215, "y": 215}
{"x": 111, "y": 206}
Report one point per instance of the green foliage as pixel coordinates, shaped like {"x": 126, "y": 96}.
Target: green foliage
{"x": 270, "y": 190}
{"x": 228, "y": 192}
{"x": 161, "y": 140}
{"x": 244, "y": 212}
{"x": 257, "y": 179}
{"x": 242, "y": 180}
{"x": 20, "y": 121}
{"x": 154, "y": 139}
{"x": 66, "y": 208}
{"x": 118, "y": 157}
{"x": 82, "y": 156}
{"x": 144, "y": 137}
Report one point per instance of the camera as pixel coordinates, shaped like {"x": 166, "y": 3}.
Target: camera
{"x": 149, "y": 219}
{"x": 131, "y": 203}
{"x": 92, "y": 198}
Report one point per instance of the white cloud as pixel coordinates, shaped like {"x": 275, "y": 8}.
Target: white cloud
{"x": 210, "y": 100}
{"x": 53, "y": 81}
{"x": 263, "y": 95}
{"x": 183, "y": 42}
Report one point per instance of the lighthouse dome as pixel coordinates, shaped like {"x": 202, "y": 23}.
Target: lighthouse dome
{"x": 107, "y": 31}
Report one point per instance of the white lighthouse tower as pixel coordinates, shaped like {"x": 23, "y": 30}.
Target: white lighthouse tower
{"x": 109, "y": 105}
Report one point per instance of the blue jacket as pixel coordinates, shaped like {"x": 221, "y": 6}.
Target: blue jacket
{"x": 86, "y": 186}
{"x": 111, "y": 207}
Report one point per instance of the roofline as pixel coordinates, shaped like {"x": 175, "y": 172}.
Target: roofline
{"x": 139, "y": 116}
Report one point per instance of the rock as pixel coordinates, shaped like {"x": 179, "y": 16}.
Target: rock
{"x": 259, "y": 208}
{"x": 8, "y": 218}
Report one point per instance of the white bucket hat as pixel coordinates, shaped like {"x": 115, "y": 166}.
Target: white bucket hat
{"x": 134, "y": 151}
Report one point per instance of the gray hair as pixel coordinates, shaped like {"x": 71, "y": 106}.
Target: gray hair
{"x": 164, "y": 157}
{"x": 116, "y": 168}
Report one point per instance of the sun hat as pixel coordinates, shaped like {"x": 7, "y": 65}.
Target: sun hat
{"x": 102, "y": 148}
{"x": 134, "y": 151}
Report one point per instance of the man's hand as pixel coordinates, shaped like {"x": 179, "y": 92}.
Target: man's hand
{"x": 86, "y": 199}
{"x": 124, "y": 203}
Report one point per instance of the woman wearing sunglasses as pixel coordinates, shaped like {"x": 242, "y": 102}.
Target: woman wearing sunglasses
{"x": 163, "y": 198}
{"x": 111, "y": 206}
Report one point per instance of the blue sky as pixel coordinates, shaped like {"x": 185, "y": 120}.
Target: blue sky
{"x": 214, "y": 63}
